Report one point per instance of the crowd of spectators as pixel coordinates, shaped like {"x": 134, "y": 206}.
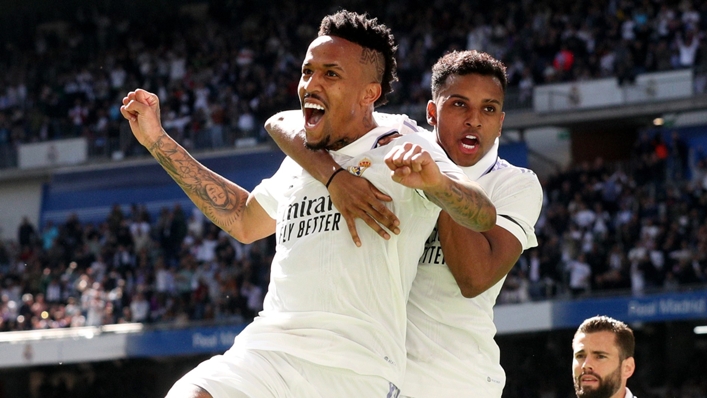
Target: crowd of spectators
{"x": 631, "y": 227}
{"x": 637, "y": 226}
{"x": 222, "y": 67}
{"x": 173, "y": 269}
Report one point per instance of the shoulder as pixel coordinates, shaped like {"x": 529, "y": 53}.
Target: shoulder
{"x": 401, "y": 122}
{"x": 422, "y": 137}
{"x": 507, "y": 174}
{"x": 427, "y": 141}
{"x": 514, "y": 190}
{"x": 502, "y": 165}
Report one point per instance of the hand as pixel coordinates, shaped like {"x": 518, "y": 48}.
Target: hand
{"x": 356, "y": 197}
{"x": 413, "y": 167}
{"x": 142, "y": 110}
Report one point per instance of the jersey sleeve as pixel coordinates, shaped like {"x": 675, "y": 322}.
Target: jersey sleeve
{"x": 400, "y": 122}
{"x": 271, "y": 191}
{"x": 518, "y": 197}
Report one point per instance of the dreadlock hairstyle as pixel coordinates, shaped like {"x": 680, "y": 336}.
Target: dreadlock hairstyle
{"x": 369, "y": 34}
{"x": 464, "y": 63}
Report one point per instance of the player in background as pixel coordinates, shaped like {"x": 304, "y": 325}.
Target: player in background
{"x": 602, "y": 358}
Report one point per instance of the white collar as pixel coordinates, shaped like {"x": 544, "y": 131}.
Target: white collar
{"x": 364, "y": 143}
{"x": 484, "y": 165}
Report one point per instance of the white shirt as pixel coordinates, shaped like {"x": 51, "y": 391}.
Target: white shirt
{"x": 450, "y": 338}
{"x": 580, "y": 272}
{"x": 140, "y": 310}
{"x": 328, "y": 301}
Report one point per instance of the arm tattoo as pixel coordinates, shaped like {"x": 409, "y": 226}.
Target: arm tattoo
{"x": 218, "y": 200}
{"x": 466, "y": 206}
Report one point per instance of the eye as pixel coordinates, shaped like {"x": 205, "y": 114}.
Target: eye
{"x": 332, "y": 74}
{"x": 490, "y": 109}
{"x": 459, "y": 104}
{"x": 306, "y": 71}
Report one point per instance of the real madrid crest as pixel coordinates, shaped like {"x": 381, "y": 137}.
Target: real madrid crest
{"x": 363, "y": 164}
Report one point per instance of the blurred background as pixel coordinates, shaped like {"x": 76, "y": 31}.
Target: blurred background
{"x": 113, "y": 284}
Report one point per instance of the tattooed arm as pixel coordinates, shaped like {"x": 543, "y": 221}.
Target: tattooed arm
{"x": 226, "y": 204}
{"x": 464, "y": 200}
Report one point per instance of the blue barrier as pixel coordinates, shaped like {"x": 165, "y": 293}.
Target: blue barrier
{"x": 191, "y": 341}
{"x": 653, "y": 308}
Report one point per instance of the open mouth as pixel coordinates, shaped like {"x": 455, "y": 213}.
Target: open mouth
{"x": 313, "y": 113}
{"x": 470, "y": 142}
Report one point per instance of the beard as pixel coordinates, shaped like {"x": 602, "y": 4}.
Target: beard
{"x": 607, "y": 386}
{"x": 324, "y": 144}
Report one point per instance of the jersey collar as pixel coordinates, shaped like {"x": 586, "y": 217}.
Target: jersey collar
{"x": 484, "y": 165}
{"x": 366, "y": 142}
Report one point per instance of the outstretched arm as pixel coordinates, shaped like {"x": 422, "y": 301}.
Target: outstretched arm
{"x": 227, "y": 205}
{"x": 464, "y": 200}
{"x": 353, "y": 196}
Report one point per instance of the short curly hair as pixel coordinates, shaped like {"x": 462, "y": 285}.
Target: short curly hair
{"x": 367, "y": 33}
{"x": 464, "y": 63}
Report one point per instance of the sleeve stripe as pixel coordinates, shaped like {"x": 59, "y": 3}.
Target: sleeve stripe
{"x": 515, "y": 222}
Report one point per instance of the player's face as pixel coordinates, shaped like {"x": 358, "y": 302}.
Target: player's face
{"x": 330, "y": 88}
{"x": 597, "y": 369}
{"x": 467, "y": 114}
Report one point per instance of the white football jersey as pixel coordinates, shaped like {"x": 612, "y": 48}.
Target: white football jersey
{"x": 330, "y": 302}
{"x": 450, "y": 338}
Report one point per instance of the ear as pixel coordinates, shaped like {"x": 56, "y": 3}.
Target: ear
{"x": 628, "y": 366}
{"x": 372, "y": 93}
{"x": 431, "y": 113}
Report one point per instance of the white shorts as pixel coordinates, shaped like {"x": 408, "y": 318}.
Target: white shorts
{"x": 263, "y": 374}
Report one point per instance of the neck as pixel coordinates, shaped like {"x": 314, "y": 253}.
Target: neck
{"x": 621, "y": 393}
{"x": 358, "y": 130}
{"x": 369, "y": 123}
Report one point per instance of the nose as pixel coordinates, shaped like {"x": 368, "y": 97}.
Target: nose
{"x": 311, "y": 83}
{"x": 586, "y": 365}
{"x": 473, "y": 119}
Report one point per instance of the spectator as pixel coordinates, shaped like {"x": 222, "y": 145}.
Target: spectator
{"x": 140, "y": 232}
{"x": 678, "y": 159}
{"x": 49, "y": 233}
{"x": 687, "y": 48}
{"x": 26, "y": 233}
{"x": 93, "y": 304}
{"x": 580, "y": 274}
{"x": 139, "y": 308}
{"x": 564, "y": 62}
{"x": 164, "y": 278}
{"x": 616, "y": 274}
